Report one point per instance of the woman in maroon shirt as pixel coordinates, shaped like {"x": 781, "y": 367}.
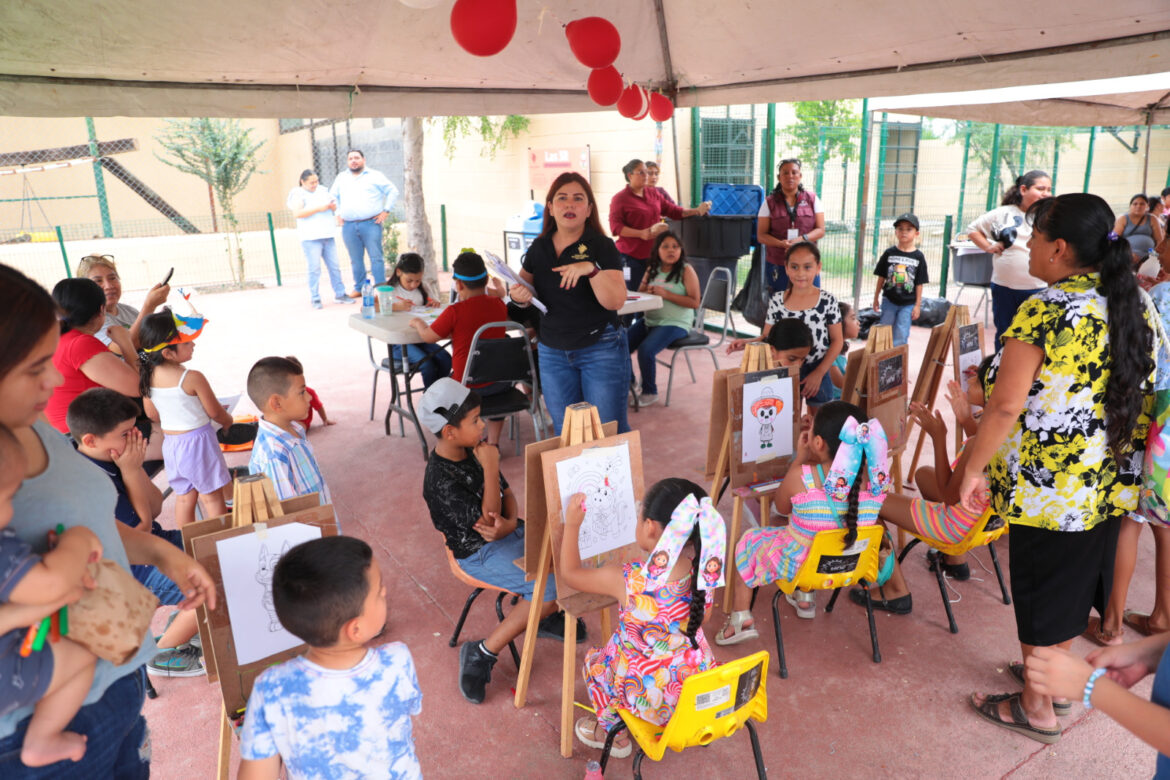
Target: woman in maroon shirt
{"x": 790, "y": 214}
{"x": 635, "y": 218}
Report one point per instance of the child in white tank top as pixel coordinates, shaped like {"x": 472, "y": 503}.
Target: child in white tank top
{"x": 184, "y": 405}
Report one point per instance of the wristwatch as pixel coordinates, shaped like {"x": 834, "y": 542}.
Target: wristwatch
{"x": 803, "y": 237}
{"x": 596, "y": 270}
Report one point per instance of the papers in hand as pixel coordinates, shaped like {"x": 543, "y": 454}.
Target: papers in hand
{"x": 427, "y": 313}
{"x": 499, "y": 269}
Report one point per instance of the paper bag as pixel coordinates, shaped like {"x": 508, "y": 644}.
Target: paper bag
{"x": 111, "y": 620}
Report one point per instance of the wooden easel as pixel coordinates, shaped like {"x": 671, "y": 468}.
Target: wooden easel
{"x": 926, "y": 386}
{"x": 582, "y": 425}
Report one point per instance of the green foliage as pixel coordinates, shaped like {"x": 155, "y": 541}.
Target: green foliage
{"x": 390, "y": 243}
{"x": 1037, "y": 143}
{"x": 495, "y": 132}
{"x": 222, "y": 153}
{"x": 831, "y": 127}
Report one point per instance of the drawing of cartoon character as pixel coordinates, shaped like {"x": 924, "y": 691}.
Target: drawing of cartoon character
{"x": 765, "y": 409}
{"x": 901, "y": 278}
{"x": 711, "y": 570}
{"x": 863, "y": 432}
{"x": 657, "y": 564}
{"x": 881, "y": 479}
{"x": 602, "y": 522}
{"x": 264, "y": 577}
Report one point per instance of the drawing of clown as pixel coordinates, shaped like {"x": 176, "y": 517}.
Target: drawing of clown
{"x": 765, "y": 409}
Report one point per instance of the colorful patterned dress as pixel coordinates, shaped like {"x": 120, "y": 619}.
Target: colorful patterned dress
{"x": 765, "y": 555}
{"x": 642, "y": 667}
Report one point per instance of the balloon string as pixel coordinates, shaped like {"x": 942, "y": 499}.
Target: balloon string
{"x": 546, "y": 11}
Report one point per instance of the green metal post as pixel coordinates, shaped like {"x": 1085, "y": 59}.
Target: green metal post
{"x": 1055, "y": 162}
{"x": 963, "y": 176}
{"x": 696, "y": 156}
{"x": 1089, "y": 158}
{"x": 820, "y": 186}
{"x": 98, "y": 181}
{"x": 881, "y": 169}
{"x": 768, "y": 157}
{"x": 862, "y": 189}
{"x": 948, "y": 229}
{"x": 443, "y": 232}
{"x": 64, "y": 254}
{"x": 275, "y": 259}
{"x": 1023, "y": 151}
{"x": 993, "y": 173}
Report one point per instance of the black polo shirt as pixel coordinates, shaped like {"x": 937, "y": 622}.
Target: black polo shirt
{"x": 575, "y": 318}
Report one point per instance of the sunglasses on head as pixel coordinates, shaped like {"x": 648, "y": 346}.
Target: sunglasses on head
{"x": 794, "y": 160}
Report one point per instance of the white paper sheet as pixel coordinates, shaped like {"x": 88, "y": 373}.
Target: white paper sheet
{"x": 970, "y": 352}
{"x": 767, "y": 419}
{"x": 603, "y": 474}
{"x": 502, "y": 271}
{"x": 247, "y": 563}
{"x": 428, "y": 313}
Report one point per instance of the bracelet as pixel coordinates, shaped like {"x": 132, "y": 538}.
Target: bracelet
{"x": 1092, "y": 681}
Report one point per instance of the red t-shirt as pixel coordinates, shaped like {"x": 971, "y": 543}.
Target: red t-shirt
{"x": 628, "y": 210}
{"x": 461, "y": 320}
{"x": 74, "y": 349}
{"x": 314, "y": 404}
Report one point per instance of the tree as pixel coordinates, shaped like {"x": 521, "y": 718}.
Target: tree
{"x": 495, "y": 132}
{"x": 1020, "y": 149}
{"x": 824, "y": 130}
{"x": 222, "y": 153}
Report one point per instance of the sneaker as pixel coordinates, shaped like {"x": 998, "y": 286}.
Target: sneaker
{"x": 475, "y": 670}
{"x": 183, "y": 661}
{"x": 646, "y": 399}
{"x": 553, "y": 627}
{"x": 317, "y": 305}
{"x": 345, "y": 299}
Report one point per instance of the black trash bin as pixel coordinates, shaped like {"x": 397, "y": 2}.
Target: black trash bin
{"x": 715, "y": 241}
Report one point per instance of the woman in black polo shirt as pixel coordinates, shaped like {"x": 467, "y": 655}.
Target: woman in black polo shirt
{"x": 577, "y": 273}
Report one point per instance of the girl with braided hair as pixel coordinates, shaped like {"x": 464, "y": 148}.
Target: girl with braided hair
{"x": 659, "y": 641}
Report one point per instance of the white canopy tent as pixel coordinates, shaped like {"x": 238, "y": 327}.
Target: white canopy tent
{"x": 273, "y": 58}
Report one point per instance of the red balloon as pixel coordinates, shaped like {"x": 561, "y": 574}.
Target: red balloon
{"x": 630, "y": 102}
{"x": 483, "y": 27}
{"x": 661, "y": 108}
{"x": 605, "y": 85}
{"x": 645, "y": 108}
{"x": 595, "y": 41}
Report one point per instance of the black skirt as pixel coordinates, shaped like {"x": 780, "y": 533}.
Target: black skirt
{"x": 1057, "y": 577}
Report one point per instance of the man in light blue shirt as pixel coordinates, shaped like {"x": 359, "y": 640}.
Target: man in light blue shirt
{"x": 364, "y": 199}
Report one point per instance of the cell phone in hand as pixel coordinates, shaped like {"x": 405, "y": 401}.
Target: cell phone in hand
{"x": 167, "y": 278}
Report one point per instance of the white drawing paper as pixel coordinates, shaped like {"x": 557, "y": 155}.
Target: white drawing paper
{"x": 970, "y": 353}
{"x": 603, "y": 474}
{"x": 502, "y": 271}
{"x": 767, "y": 419}
{"x": 247, "y": 562}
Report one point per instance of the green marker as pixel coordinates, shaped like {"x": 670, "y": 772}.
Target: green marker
{"x": 42, "y": 632}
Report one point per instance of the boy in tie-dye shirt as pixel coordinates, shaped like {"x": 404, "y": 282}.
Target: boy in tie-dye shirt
{"x": 341, "y": 710}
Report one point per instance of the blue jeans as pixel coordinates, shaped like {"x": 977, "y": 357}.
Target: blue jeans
{"x": 359, "y": 237}
{"x": 649, "y": 342}
{"x": 118, "y": 744}
{"x": 637, "y": 271}
{"x": 166, "y": 591}
{"x": 316, "y": 251}
{"x": 432, "y": 370}
{"x": 494, "y": 563}
{"x": 899, "y": 317}
{"x": 825, "y": 392}
{"x": 777, "y": 277}
{"x": 598, "y": 374}
{"x": 1004, "y": 302}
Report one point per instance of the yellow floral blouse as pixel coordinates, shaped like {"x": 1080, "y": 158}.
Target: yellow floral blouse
{"x": 1055, "y": 470}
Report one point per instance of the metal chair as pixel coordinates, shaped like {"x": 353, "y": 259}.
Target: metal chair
{"x": 717, "y": 297}
{"x": 510, "y": 360}
{"x": 400, "y": 367}
{"x": 478, "y": 586}
{"x": 379, "y": 365}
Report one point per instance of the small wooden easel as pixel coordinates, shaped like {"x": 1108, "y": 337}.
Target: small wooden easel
{"x": 938, "y": 349}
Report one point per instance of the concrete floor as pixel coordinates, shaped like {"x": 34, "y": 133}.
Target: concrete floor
{"x": 838, "y": 712}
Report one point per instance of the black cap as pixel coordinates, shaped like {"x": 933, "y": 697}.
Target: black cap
{"x": 907, "y": 217}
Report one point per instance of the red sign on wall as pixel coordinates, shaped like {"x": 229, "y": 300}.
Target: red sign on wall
{"x": 544, "y": 165}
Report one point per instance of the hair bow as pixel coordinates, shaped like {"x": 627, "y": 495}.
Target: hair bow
{"x": 857, "y": 439}
{"x": 712, "y": 537}
{"x": 186, "y": 329}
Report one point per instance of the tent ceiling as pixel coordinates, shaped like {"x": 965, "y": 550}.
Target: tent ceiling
{"x": 1128, "y": 108}
{"x": 270, "y": 58}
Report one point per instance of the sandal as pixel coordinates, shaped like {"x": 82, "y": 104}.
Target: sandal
{"x": 739, "y": 632}
{"x": 1097, "y": 634}
{"x": 586, "y": 728}
{"x": 989, "y": 711}
{"x": 1139, "y": 622}
{"x": 1061, "y": 708}
{"x": 804, "y": 609}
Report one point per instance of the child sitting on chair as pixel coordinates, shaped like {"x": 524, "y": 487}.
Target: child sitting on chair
{"x": 475, "y": 510}
{"x": 659, "y": 641}
{"x": 341, "y": 709}
{"x": 856, "y": 455}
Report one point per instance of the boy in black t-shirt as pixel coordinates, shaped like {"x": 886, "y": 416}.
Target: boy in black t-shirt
{"x": 901, "y": 272}
{"x": 479, "y": 525}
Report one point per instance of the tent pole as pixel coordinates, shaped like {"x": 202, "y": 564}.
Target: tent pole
{"x": 993, "y": 169}
{"x": 963, "y": 176}
{"x": 1089, "y": 158}
{"x": 1149, "y": 132}
{"x": 881, "y": 183}
{"x": 674, "y": 141}
{"x": 98, "y": 180}
{"x": 696, "y": 156}
{"x": 862, "y": 203}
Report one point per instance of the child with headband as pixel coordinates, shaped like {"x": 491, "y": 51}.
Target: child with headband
{"x": 658, "y": 642}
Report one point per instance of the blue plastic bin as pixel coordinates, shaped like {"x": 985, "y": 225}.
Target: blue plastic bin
{"x": 734, "y": 200}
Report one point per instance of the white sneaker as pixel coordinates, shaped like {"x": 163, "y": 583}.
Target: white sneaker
{"x": 646, "y": 399}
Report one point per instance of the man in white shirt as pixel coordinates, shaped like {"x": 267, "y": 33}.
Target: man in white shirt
{"x": 364, "y": 199}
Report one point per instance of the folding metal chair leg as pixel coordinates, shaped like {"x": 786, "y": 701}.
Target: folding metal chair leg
{"x": 714, "y": 359}
{"x": 670, "y": 378}
{"x": 935, "y": 557}
{"x": 761, "y": 771}
{"x": 374, "y": 393}
{"x": 877, "y": 654}
{"x": 463, "y": 616}
{"x": 614, "y": 730}
{"x": 783, "y": 665}
{"x": 999, "y": 574}
{"x": 687, "y": 357}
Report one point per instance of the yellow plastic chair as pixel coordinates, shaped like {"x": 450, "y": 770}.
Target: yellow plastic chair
{"x": 829, "y": 566}
{"x": 986, "y": 530}
{"x": 713, "y": 704}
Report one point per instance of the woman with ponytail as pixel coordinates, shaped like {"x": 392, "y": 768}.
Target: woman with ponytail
{"x": 1063, "y": 435}
{"x": 1004, "y": 233}
{"x": 658, "y": 643}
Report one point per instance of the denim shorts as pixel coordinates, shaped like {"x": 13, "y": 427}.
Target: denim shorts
{"x": 825, "y": 393}
{"x": 23, "y": 681}
{"x": 494, "y": 563}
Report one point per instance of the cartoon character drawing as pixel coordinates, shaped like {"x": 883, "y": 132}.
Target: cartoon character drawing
{"x": 711, "y": 570}
{"x": 264, "y": 577}
{"x": 863, "y": 432}
{"x": 764, "y": 409}
{"x": 658, "y": 563}
{"x": 601, "y": 506}
{"x": 882, "y": 479}
{"x": 901, "y": 277}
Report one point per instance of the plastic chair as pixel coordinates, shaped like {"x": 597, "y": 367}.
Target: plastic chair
{"x": 713, "y": 704}
{"x": 980, "y": 535}
{"x": 379, "y": 365}
{"x": 717, "y": 297}
{"x": 507, "y": 359}
{"x": 830, "y": 566}
{"x": 478, "y": 586}
{"x": 394, "y": 368}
